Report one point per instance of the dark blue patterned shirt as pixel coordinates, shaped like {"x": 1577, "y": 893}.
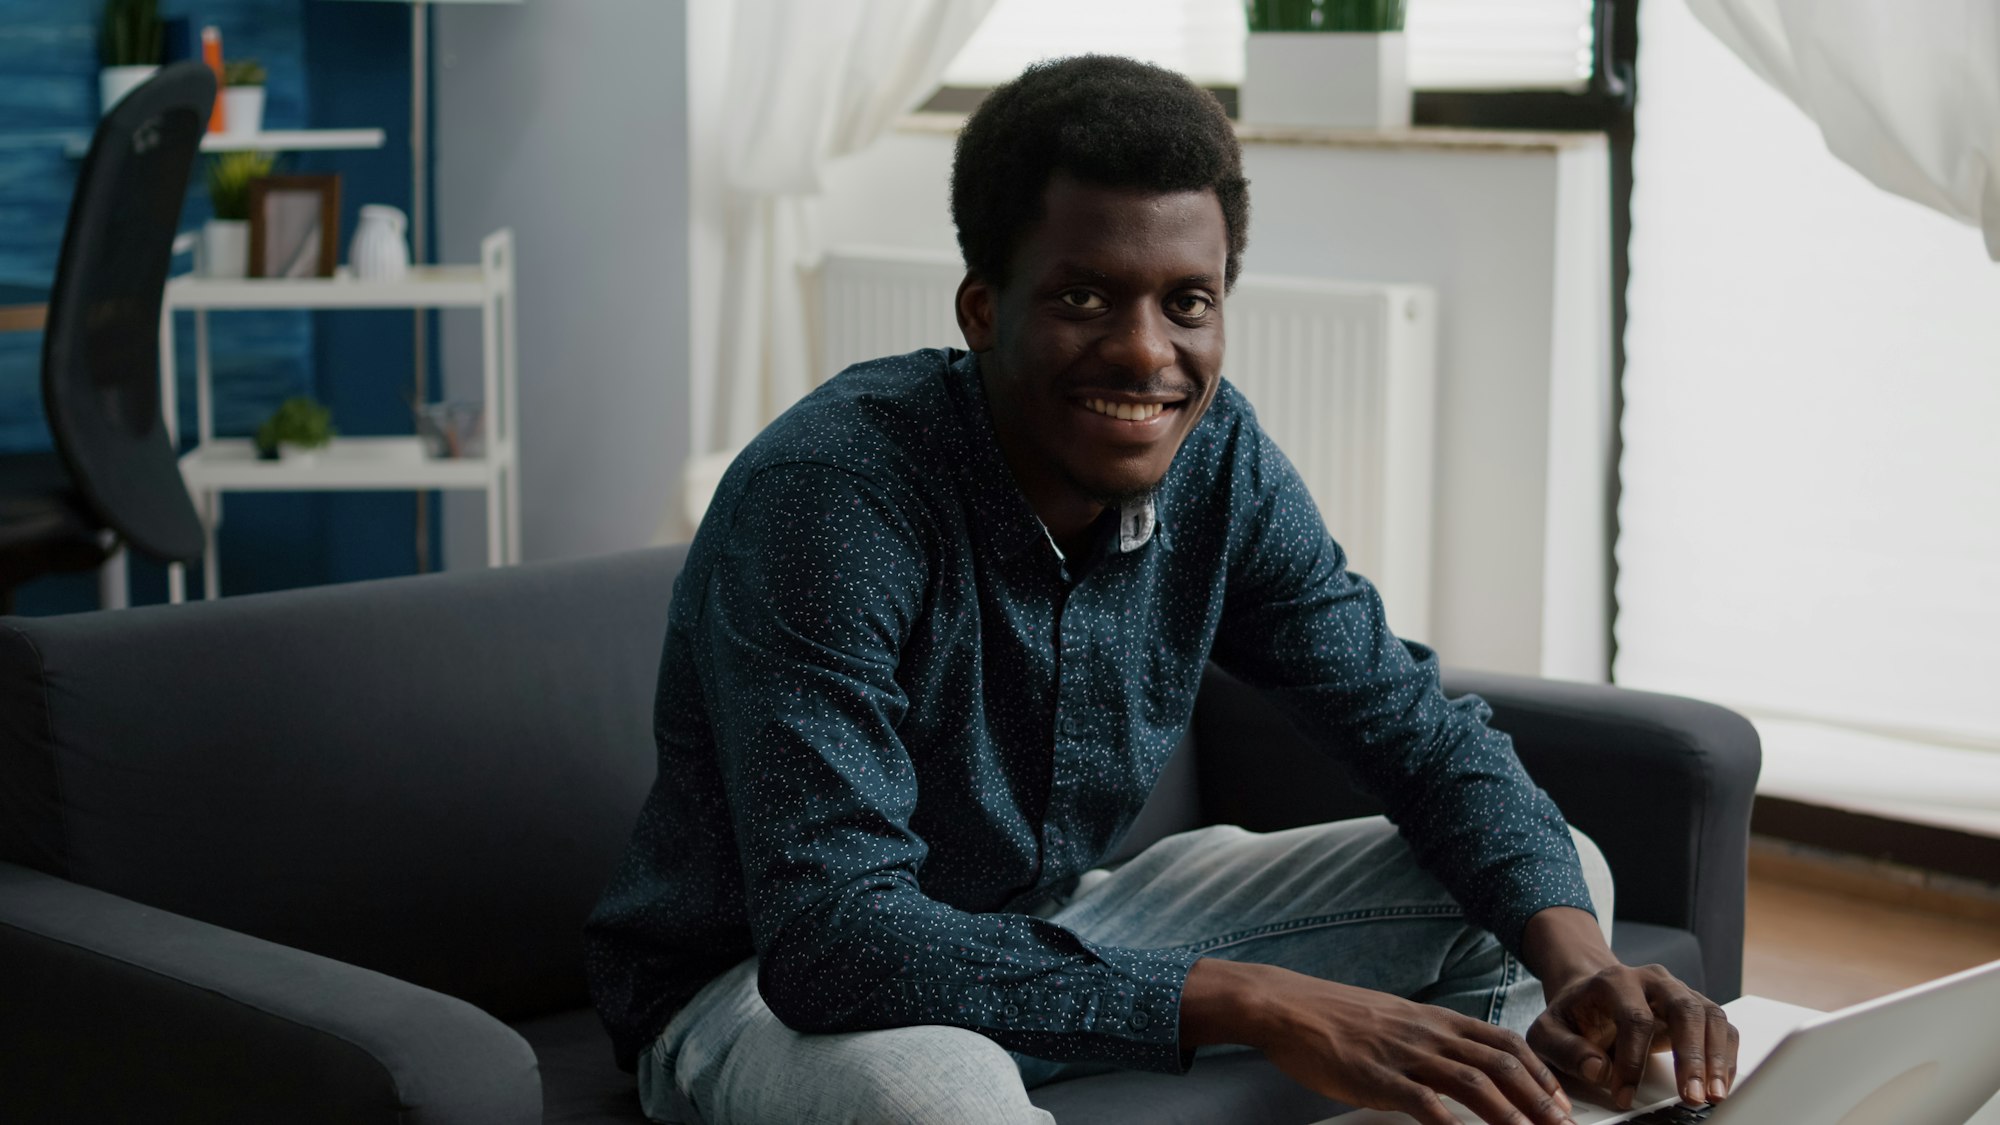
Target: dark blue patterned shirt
{"x": 892, "y": 719}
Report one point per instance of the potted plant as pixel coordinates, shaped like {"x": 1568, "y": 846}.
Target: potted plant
{"x": 296, "y": 431}
{"x": 243, "y": 97}
{"x": 225, "y": 239}
{"x": 1326, "y": 63}
{"x": 129, "y": 48}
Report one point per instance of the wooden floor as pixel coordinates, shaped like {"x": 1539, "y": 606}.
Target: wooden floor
{"x": 1825, "y": 938}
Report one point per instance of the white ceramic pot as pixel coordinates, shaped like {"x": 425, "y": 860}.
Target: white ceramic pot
{"x": 225, "y": 248}
{"x": 378, "y": 251}
{"x": 300, "y": 455}
{"x": 242, "y": 110}
{"x": 1326, "y": 79}
{"x": 114, "y": 82}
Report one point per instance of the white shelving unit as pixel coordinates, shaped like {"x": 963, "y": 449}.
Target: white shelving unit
{"x": 218, "y": 465}
{"x": 274, "y": 140}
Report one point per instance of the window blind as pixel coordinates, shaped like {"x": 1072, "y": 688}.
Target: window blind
{"x": 1810, "y": 516}
{"x": 1454, "y": 44}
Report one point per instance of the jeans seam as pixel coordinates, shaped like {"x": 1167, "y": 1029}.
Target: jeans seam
{"x": 1320, "y": 921}
{"x": 1509, "y": 970}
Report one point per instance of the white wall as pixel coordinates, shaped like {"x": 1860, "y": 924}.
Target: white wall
{"x": 1515, "y": 243}
{"x": 569, "y": 123}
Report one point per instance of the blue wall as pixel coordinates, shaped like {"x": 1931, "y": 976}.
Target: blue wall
{"x": 330, "y": 65}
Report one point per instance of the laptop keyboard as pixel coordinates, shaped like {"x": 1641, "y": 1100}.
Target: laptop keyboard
{"x": 1673, "y": 1115}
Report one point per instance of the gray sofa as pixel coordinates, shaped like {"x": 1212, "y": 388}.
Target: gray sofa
{"x": 324, "y": 855}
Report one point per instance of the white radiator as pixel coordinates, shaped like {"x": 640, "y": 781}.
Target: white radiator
{"x": 1342, "y": 375}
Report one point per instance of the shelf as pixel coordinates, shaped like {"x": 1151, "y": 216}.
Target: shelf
{"x": 426, "y": 287}
{"x": 274, "y": 140}
{"x": 355, "y": 463}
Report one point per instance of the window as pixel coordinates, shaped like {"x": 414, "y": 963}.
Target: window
{"x": 1811, "y": 509}
{"x": 1454, "y": 44}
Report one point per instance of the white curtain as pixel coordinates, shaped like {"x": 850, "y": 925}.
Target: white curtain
{"x": 1907, "y": 93}
{"x": 1810, "y": 513}
{"x": 807, "y": 81}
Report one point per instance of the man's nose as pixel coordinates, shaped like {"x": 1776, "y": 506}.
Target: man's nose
{"x": 1140, "y": 341}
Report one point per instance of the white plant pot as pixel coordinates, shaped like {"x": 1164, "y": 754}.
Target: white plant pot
{"x": 297, "y": 454}
{"x": 225, "y": 248}
{"x": 1326, "y": 79}
{"x": 114, "y": 82}
{"x": 242, "y": 110}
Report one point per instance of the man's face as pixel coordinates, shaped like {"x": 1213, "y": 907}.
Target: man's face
{"x": 1103, "y": 349}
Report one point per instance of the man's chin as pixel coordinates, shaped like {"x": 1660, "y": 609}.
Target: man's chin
{"x": 1115, "y": 492}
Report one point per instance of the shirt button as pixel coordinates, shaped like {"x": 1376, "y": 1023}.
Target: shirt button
{"x": 1140, "y": 1020}
{"x": 1012, "y": 1011}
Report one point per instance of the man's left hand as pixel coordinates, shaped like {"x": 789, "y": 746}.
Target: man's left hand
{"x": 1601, "y": 1026}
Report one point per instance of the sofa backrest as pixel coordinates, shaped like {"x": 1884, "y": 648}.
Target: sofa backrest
{"x": 430, "y": 777}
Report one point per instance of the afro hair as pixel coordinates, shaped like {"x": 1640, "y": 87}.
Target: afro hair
{"x": 1108, "y": 121}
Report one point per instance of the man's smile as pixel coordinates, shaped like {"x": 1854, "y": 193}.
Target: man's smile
{"x": 1152, "y": 413}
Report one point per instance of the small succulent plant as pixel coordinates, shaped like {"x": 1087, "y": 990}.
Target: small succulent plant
{"x": 243, "y": 72}
{"x": 298, "y": 421}
{"x": 133, "y": 34}
{"x": 229, "y": 177}
{"x": 1325, "y": 15}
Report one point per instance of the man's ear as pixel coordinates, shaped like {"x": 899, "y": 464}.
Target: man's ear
{"x": 974, "y": 304}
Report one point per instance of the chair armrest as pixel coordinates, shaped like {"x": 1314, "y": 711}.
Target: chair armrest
{"x": 1662, "y": 784}
{"x": 116, "y": 1011}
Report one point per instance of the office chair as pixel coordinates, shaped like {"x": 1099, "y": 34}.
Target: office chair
{"x": 113, "y": 478}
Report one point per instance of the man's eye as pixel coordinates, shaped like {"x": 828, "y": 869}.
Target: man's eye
{"x": 1192, "y": 306}
{"x": 1082, "y": 299}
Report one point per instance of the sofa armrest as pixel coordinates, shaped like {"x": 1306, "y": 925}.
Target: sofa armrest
{"x": 116, "y": 1011}
{"x": 1663, "y": 785}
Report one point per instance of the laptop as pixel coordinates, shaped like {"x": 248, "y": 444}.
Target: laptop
{"x": 1928, "y": 1055}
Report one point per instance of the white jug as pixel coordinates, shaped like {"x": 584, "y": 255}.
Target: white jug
{"x": 378, "y": 251}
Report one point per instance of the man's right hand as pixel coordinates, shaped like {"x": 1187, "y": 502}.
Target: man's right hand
{"x": 1371, "y": 1049}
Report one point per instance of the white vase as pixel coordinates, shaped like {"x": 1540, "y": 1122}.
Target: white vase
{"x": 299, "y": 455}
{"x": 1326, "y": 79}
{"x": 378, "y": 251}
{"x": 114, "y": 82}
{"x": 225, "y": 248}
{"x": 242, "y": 110}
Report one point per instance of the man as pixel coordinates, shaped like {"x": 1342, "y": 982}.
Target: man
{"x": 940, "y": 629}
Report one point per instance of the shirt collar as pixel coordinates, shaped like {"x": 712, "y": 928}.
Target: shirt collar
{"x": 1002, "y": 516}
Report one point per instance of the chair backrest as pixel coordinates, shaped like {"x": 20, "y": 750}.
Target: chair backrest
{"x": 101, "y": 347}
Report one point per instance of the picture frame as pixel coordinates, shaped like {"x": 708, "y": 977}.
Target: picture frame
{"x": 294, "y": 226}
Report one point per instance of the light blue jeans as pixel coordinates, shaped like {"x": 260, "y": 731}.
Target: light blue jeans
{"x": 1343, "y": 901}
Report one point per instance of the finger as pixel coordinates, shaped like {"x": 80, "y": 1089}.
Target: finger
{"x": 1514, "y": 1080}
{"x": 1686, "y": 1014}
{"x": 1633, "y": 1013}
{"x": 1473, "y": 1089}
{"x": 1500, "y": 1039}
{"x": 1735, "y": 1041}
{"x": 1721, "y": 1049}
{"x": 1419, "y": 1101}
{"x": 1571, "y": 1053}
